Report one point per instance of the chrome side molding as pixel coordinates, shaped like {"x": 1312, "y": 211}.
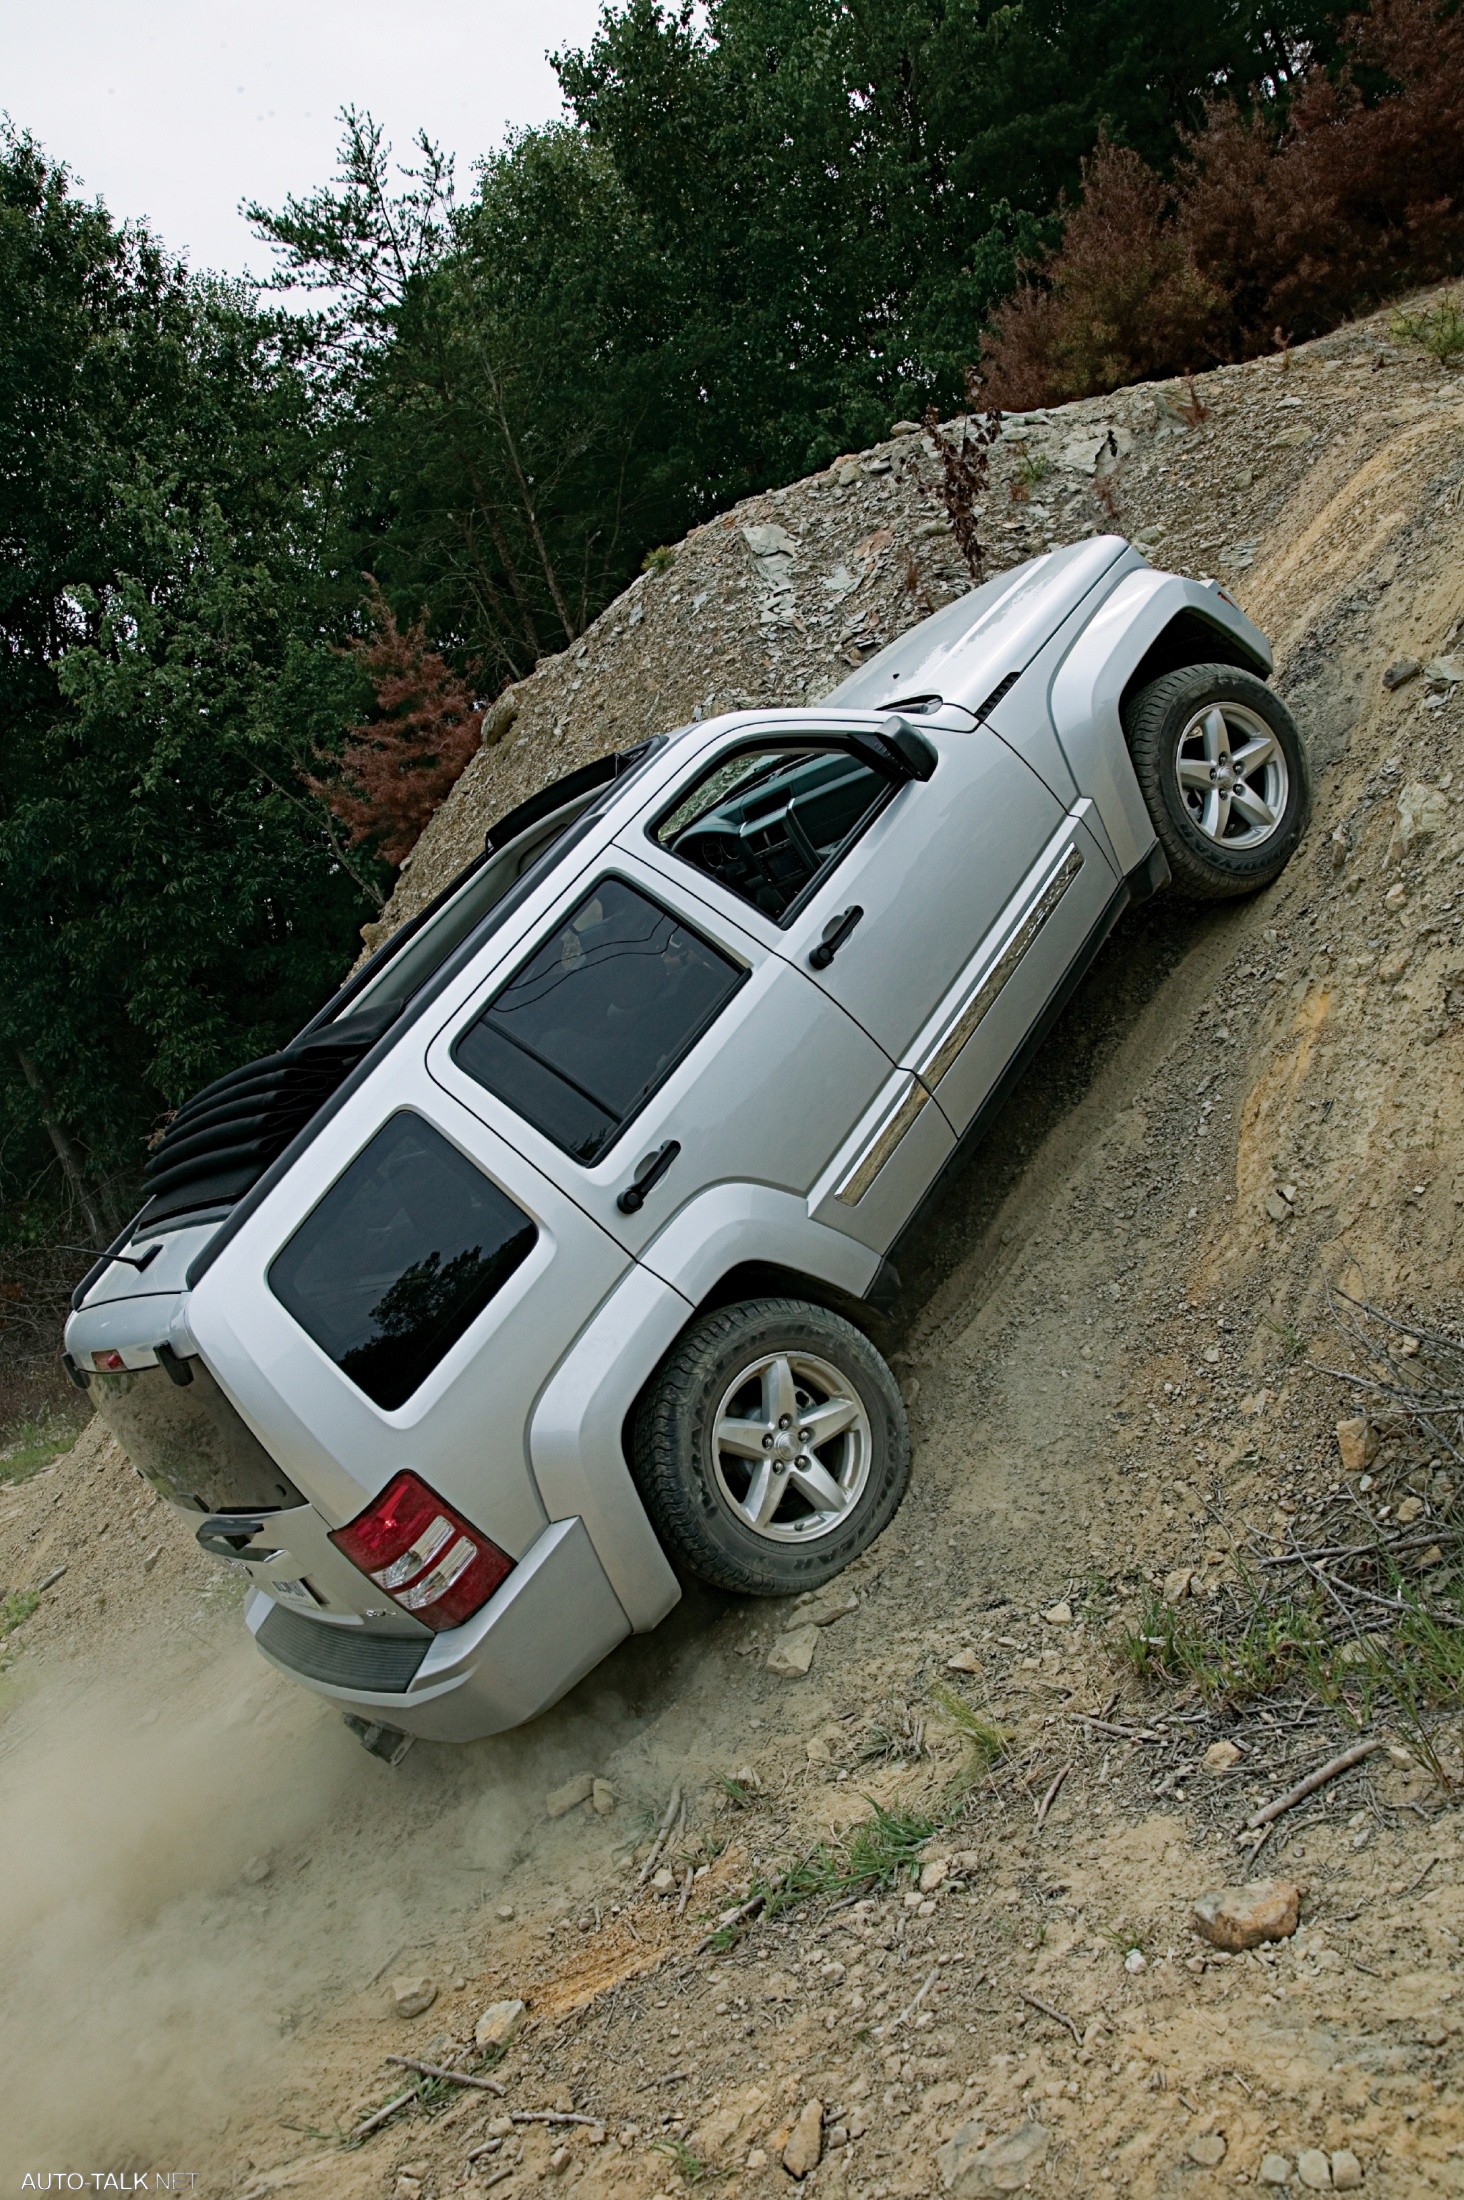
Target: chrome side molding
{"x": 1024, "y": 929}
{"x": 909, "y": 1100}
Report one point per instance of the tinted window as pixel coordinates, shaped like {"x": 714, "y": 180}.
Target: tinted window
{"x": 403, "y": 1252}
{"x": 597, "y": 1018}
{"x": 768, "y": 823}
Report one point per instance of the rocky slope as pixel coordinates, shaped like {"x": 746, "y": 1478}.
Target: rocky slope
{"x": 1112, "y": 1358}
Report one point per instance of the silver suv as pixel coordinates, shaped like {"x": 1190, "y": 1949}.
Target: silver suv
{"x": 539, "y": 1265}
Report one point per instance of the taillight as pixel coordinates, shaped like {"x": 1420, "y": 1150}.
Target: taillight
{"x": 423, "y": 1554}
{"x": 109, "y": 1363}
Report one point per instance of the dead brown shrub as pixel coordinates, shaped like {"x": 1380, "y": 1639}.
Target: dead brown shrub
{"x": 1357, "y": 195}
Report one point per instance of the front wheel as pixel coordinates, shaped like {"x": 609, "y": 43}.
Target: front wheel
{"x": 1224, "y": 777}
{"x": 772, "y": 1447}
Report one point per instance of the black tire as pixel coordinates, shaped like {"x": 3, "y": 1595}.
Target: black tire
{"x": 691, "y": 1484}
{"x": 1246, "y": 855}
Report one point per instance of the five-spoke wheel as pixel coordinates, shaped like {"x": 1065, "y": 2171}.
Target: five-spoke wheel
{"x": 772, "y": 1446}
{"x": 1224, "y": 776}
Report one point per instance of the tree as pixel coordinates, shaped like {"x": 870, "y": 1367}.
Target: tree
{"x": 394, "y": 768}
{"x": 173, "y": 901}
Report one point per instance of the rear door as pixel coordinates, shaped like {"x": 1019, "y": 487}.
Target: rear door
{"x": 646, "y": 1046}
{"x": 877, "y": 891}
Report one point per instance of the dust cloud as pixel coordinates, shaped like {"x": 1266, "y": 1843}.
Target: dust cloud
{"x": 159, "y": 1989}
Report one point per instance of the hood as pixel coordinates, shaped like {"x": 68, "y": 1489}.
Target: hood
{"x": 989, "y": 635}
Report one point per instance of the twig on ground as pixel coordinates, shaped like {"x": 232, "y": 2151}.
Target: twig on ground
{"x": 364, "y": 2130}
{"x": 1035, "y": 2001}
{"x": 1418, "y": 1882}
{"x": 742, "y": 1915}
{"x": 1050, "y": 1797}
{"x": 453, "y": 2077}
{"x": 686, "y": 1890}
{"x": 552, "y": 2116}
{"x": 1322, "y": 1777}
{"x": 661, "y": 1838}
{"x": 908, "y": 2012}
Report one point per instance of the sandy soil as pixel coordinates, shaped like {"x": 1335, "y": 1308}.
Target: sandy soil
{"x": 1109, "y": 1348}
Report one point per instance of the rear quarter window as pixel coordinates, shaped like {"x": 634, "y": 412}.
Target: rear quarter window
{"x": 402, "y": 1254}
{"x": 598, "y": 1018}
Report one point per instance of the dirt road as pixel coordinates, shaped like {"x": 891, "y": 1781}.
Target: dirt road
{"x": 1109, "y": 1349}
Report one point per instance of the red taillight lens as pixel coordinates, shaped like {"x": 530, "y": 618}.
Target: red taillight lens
{"x": 423, "y": 1554}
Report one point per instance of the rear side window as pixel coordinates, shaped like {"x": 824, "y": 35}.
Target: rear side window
{"x": 768, "y": 824}
{"x": 404, "y": 1251}
{"x": 598, "y": 1017}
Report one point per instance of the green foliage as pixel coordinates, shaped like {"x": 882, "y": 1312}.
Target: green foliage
{"x": 35, "y": 1442}
{"x": 689, "y": 2167}
{"x": 173, "y": 902}
{"x": 16, "y": 1609}
{"x": 1269, "y": 1646}
{"x": 1438, "y": 330}
{"x": 875, "y": 1855}
{"x": 987, "y": 1742}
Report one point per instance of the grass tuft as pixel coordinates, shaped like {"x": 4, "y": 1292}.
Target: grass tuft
{"x": 987, "y": 1743}
{"x": 16, "y": 1609}
{"x": 690, "y": 2168}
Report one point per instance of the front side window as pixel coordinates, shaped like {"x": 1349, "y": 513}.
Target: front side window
{"x": 402, "y": 1254}
{"x": 597, "y": 1018}
{"x": 768, "y": 823}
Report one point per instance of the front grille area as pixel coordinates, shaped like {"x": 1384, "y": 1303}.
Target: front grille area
{"x": 220, "y": 1142}
{"x": 342, "y": 1657}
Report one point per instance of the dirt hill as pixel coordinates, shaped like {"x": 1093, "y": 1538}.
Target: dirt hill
{"x": 1113, "y": 1354}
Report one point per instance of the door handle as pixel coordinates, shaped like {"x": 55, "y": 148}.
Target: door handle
{"x": 835, "y": 932}
{"x": 647, "y": 1177}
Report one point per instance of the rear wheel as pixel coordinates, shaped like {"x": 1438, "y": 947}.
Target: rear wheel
{"x": 1224, "y": 775}
{"x": 773, "y": 1446}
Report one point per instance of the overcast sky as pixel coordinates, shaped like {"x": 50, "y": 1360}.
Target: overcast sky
{"x": 177, "y": 109}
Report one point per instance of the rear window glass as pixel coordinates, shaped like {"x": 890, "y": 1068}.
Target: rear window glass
{"x": 404, "y": 1251}
{"x": 769, "y": 823}
{"x": 598, "y": 1017}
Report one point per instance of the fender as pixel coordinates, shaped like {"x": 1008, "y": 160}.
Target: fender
{"x": 575, "y": 1436}
{"x": 1088, "y": 688}
{"x": 576, "y": 1452}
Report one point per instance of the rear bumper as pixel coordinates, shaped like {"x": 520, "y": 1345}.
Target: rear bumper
{"x": 553, "y": 1620}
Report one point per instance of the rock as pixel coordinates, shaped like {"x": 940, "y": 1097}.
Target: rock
{"x": 1357, "y": 1444}
{"x": 792, "y": 1654}
{"x": 1278, "y": 1207}
{"x": 1275, "y": 2169}
{"x": 256, "y": 1871}
{"x": 602, "y": 1798}
{"x": 1135, "y": 1962}
{"x": 964, "y": 1661}
{"x": 1422, "y": 812}
{"x": 823, "y": 1606}
{"x": 500, "y": 717}
{"x": 1400, "y": 671}
{"x": 570, "y": 1796}
{"x": 500, "y": 2022}
{"x": 1444, "y": 672}
{"x": 505, "y": 1912}
{"x": 1396, "y": 896}
{"x": 933, "y": 1874}
{"x": 905, "y": 427}
{"x": 1177, "y": 1584}
{"x": 1208, "y": 2150}
{"x": 1346, "y": 2171}
{"x": 1410, "y": 1510}
{"x": 1220, "y": 1756}
{"x": 969, "y": 2168}
{"x": 411, "y": 1997}
{"x": 805, "y": 2145}
{"x": 663, "y": 1880}
{"x": 1059, "y": 1615}
{"x": 559, "y": 2161}
{"x": 1242, "y": 1917}
{"x": 1314, "y": 2170}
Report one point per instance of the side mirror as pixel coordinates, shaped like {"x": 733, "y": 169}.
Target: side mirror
{"x": 898, "y": 751}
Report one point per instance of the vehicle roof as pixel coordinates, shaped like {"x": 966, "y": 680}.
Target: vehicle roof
{"x": 970, "y": 647}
